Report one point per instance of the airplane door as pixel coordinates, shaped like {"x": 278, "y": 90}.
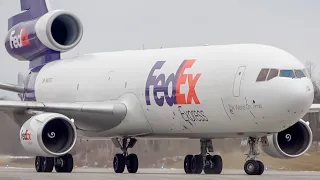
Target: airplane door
{"x": 237, "y": 81}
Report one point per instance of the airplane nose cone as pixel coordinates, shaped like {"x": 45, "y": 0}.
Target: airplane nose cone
{"x": 301, "y": 96}
{"x": 294, "y": 101}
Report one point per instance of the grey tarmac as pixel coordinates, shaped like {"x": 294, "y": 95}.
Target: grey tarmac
{"x": 147, "y": 174}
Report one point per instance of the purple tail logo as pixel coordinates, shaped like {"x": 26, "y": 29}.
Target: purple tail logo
{"x": 160, "y": 85}
{"x": 20, "y": 40}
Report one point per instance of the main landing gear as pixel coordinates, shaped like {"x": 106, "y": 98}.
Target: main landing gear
{"x": 61, "y": 164}
{"x": 194, "y": 164}
{"x": 253, "y": 166}
{"x": 120, "y": 161}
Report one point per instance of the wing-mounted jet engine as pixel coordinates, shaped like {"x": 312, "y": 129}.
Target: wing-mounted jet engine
{"x": 289, "y": 143}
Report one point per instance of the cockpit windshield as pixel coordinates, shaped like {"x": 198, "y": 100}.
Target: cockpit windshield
{"x": 287, "y": 73}
{"x": 267, "y": 74}
{"x": 299, "y": 73}
{"x": 273, "y": 73}
{"x": 306, "y": 72}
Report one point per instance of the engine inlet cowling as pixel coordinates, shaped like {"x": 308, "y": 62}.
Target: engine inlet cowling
{"x": 48, "y": 134}
{"x": 290, "y": 143}
{"x": 59, "y": 30}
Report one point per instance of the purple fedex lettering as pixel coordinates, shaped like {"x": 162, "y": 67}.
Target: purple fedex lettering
{"x": 18, "y": 41}
{"x": 160, "y": 85}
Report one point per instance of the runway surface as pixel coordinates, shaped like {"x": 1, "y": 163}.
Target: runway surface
{"x": 146, "y": 174}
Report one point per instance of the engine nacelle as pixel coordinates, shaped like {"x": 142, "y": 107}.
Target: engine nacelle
{"x": 55, "y": 31}
{"x": 289, "y": 143}
{"x": 48, "y": 134}
{"x": 59, "y": 30}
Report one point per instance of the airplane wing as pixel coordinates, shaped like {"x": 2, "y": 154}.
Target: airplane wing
{"x": 314, "y": 108}
{"x": 101, "y": 107}
{"x": 93, "y": 116}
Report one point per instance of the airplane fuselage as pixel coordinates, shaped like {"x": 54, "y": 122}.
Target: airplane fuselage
{"x": 209, "y": 91}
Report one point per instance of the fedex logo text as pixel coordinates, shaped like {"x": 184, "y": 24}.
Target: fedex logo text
{"x": 26, "y": 136}
{"x": 20, "y": 40}
{"x": 160, "y": 85}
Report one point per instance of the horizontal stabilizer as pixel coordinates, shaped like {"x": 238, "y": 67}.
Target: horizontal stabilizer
{"x": 314, "y": 108}
{"x": 12, "y": 87}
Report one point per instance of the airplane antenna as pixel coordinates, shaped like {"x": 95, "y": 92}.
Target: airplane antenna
{"x": 143, "y": 46}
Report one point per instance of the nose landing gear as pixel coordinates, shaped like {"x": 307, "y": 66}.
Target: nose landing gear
{"x": 253, "y": 166}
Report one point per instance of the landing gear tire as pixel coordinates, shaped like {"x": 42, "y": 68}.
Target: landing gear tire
{"x": 204, "y": 161}
{"x": 261, "y": 168}
{"x": 208, "y": 165}
{"x": 253, "y": 167}
{"x": 47, "y": 164}
{"x": 187, "y": 164}
{"x": 214, "y": 164}
{"x": 38, "y": 163}
{"x": 44, "y": 164}
{"x": 119, "y": 163}
{"x": 197, "y": 164}
{"x": 132, "y": 163}
{"x": 64, "y": 163}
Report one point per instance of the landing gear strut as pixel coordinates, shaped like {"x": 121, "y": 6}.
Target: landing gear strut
{"x": 204, "y": 161}
{"x": 61, "y": 164}
{"x": 125, "y": 159}
{"x": 253, "y": 166}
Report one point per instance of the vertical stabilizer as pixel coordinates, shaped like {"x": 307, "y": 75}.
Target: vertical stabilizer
{"x": 31, "y": 9}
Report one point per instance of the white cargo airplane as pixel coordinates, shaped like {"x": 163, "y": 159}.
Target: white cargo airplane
{"x": 207, "y": 92}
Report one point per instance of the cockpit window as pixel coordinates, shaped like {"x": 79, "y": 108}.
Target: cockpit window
{"x": 287, "y": 73}
{"x": 263, "y": 75}
{"x": 273, "y": 73}
{"x": 268, "y": 74}
{"x": 299, "y": 73}
{"x": 306, "y": 73}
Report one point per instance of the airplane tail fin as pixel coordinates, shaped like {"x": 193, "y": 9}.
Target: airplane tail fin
{"x": 31, "y": 9}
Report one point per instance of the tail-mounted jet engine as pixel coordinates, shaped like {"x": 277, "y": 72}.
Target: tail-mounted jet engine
{"x": 55, "y": 31}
